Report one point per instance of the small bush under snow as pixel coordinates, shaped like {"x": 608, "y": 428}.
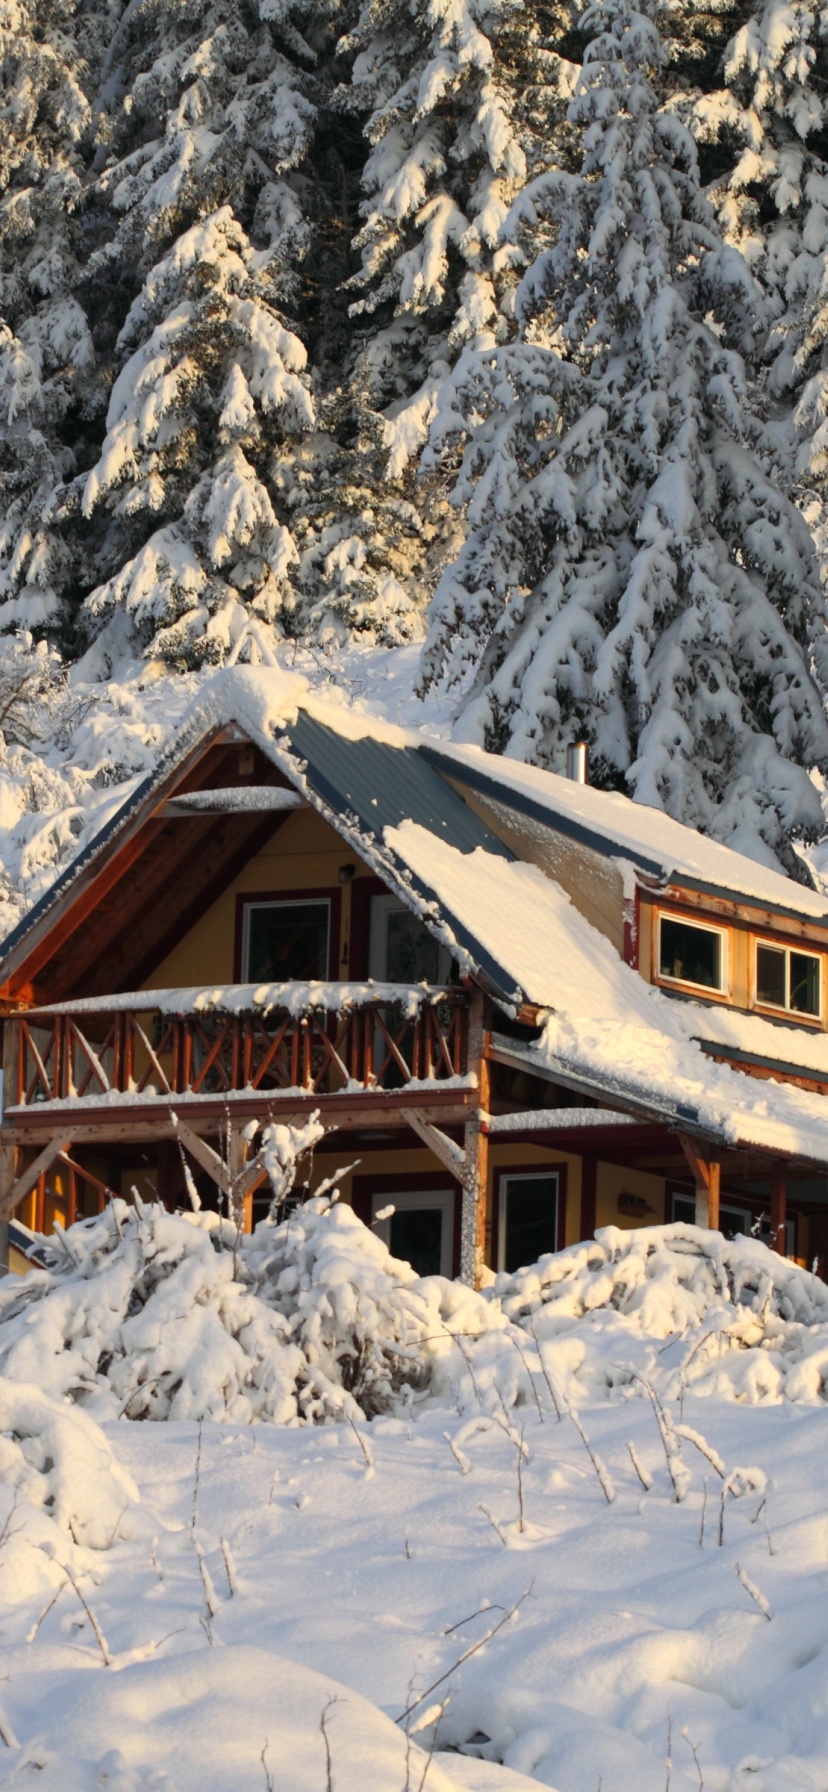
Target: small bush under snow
{"x": 178, "y": 1316}
{"x": 157, "y": 1315}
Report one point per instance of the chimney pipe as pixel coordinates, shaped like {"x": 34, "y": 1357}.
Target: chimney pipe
{"x": 577, "y": 762}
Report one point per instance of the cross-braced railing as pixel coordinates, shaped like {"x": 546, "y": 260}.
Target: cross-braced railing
{"x": 318, "y": 1040}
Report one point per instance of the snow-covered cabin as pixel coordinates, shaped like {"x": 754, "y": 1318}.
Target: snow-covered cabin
{"x": 521, "y": 1006}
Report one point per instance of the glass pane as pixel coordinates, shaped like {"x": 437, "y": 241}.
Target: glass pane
{"x": 412, "y": 956}
{"x": 804, "y": 983}
{"x": 287, "y": 942}
{"x": 691, "y": 954}
{"x": 417, "y": 1237}
{"x": 770, "y": 976}
{"x": 531, "y": 1219}
{"x": 684, "y": 1209}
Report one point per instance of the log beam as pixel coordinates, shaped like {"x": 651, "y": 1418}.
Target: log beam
{"x": 443, "y": 1148}
{"x": 205, "y": 1156}
{"x": 707, "y": 1177}
{"x": 22, "y": 1186}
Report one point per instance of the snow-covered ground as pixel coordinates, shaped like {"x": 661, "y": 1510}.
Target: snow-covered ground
{"x": 212, "y": 1606}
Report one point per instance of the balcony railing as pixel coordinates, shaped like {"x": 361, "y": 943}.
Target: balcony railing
{"x": 314, "y": 1038}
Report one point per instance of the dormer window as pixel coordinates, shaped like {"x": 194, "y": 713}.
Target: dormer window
{"x": 788, "y": 979}
{"x": 690, "y": 953}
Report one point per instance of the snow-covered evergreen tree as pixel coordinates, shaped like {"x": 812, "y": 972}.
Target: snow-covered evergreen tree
{"x": 177, "y": 520}
{"x": 462, "y": 102}
{"x": 761, "y": 127}
{"x": 49, "y": 55}
{"x": 633, "y": 575}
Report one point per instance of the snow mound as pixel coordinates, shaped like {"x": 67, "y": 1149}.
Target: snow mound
{"x": 239, "y": 1716}
{"x": 159, "y": 1315}
{"x": 58, "y": 1461}
{"x": 744, "y": 1322}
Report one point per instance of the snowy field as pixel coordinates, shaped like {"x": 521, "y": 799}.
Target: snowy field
{"x": 217, "y": 1606}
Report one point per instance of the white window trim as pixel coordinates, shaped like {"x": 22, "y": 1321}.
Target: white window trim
{"x": 706, "y": 989}
{"x": 508, "y": 1176}
{"x": 286, "y": 901}
{"x": 802, "y": 952}
{"x": 411, "y": 1200}
{"x": 381, "y": 907}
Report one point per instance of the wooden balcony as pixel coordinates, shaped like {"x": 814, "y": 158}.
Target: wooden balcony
{"x": 244, "y": 1048}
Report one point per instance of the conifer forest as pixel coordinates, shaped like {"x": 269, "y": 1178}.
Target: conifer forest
{"x": 492, "y": 327}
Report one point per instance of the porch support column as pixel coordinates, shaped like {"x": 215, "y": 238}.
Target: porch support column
{"x": 8, "y": 1152}
{"x": 475, "y": 1176}
{"x": 707, "y": 1177}
{"x": 779, "y": 1191}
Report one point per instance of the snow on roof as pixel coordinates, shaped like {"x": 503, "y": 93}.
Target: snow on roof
{"x": 607, "y": 1026}
{"x": 382, "y": 787}
{"x": 612, "y": 823}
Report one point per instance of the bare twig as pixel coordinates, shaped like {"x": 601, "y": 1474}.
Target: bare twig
{"x": 529, "y": 1376}
{"x": 365, "y": 1448}
{"x": 493, "y": 1521}
{"x": 197, "y": 1480}
{"x": 32, "y": 1634}
{"x": 478, "y": 1614}
{"x": 269, "y": 1780}
{"x": 753, "y": 1592}
{"x": 521, "y": 1519}
{"x": 703, "y": 1515}
{"x": 459, "y": 1455}
{"x": 643, "y": 1474}
{"x": 695, "y": 1753}
{"x": 546, "y": 1376}
{"x": 669, "y": 1760}
{"x": 600, "y": 1467}
{"x": 99, "y": 1635}
{"x": 467, "y": 1653}
{"x": 229, "y": 1566}
{"x": 329, "y": 1785}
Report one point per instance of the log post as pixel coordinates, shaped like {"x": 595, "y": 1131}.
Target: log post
{"x": 778, "y": 1237}
{"x": 242, "y": 1204}
{"x": 707, "y": 1177}
{"x": 476, "y": 1148}
{"x": 8, "y": 1151}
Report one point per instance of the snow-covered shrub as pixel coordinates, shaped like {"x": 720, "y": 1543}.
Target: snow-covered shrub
{"x": 745, "y": 1323}
{"x": 161, "y": 1315}
{"x": 58, "y": 1461}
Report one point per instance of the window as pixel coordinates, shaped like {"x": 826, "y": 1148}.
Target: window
{"x": 421, "y": 1228}
{"x": 691, "y": 953}
{"x": 401, "y": 948}
{"x": 732, "y": 1220}
{"x": 286, "y": 942}
{"x": 735, "y": 1220}
{"x": 528, "y": 1218}
{"x": 788, "y": 979}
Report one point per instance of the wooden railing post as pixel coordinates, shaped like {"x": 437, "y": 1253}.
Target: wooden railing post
{"x": 476, "y": 1146}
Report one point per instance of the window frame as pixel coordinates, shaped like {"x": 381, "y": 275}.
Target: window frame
{"x": 720, "y": 994}
{"x": 248, "y": 899}
{"x": 796, "y": 1014}
{"x": 381, "y": 905}
{"x": 756, "y": 1211}
{"x": 418, "y": 1200}
{"x": 529, "y": 1173}
{"x": 365, "y": 1188}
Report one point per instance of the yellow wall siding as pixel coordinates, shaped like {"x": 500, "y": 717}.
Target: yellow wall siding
{"x": 614, "y": 1180}
{"x": 304, "y": 854}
